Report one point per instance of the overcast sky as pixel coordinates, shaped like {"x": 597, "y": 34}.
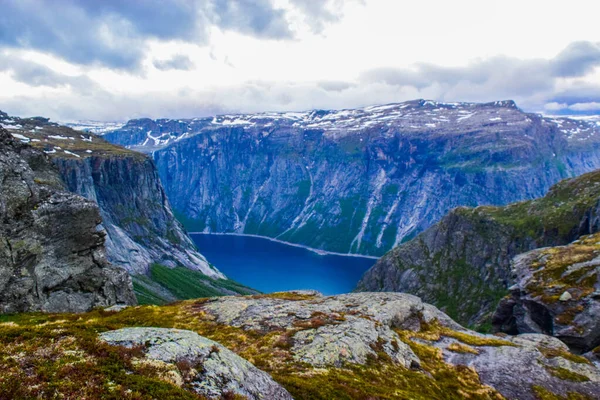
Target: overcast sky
{"x": 115, "y": 60}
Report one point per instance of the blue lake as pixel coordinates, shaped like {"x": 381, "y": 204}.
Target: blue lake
{"x": 271, "y": 266}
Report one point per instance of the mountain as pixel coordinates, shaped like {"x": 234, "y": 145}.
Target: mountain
{"x": 281, "y": 346}
{"x": 143, "y": 235}
{"x": 362, "y": 180}
{"x": 52, "y": 254}
{"x": 462, "y": 264}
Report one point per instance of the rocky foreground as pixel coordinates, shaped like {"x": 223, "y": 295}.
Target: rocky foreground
{"x": 286, "y": 345}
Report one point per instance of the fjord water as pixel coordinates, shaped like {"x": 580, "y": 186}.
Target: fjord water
{"x": 272, "y": 266}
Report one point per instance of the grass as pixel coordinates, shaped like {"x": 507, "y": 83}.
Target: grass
{"x": 59, "y": 356}
{"x": 183, "y": 284}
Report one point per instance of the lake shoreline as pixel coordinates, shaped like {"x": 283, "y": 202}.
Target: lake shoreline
{"x": 316, "y": 251}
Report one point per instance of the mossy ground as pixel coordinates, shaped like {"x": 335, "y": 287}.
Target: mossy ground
{"x": 59, "y": 356}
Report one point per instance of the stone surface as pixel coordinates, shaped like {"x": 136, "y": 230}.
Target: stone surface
{"x": 513, "y": 370}
{"x": 333, "y": 331}
{"x": 218, "y": 370}
{"x": 556, "y": 293}
{"x": 51, "y": 242}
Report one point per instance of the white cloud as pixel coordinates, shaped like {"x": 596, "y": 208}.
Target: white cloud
{"x": 331, "y": 54}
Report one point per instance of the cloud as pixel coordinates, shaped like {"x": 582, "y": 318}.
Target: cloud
{"x": 114, "y": 33}
{"x": 531, "y": 83}
{"x": 578, "y": 59}
{"x": 178, "y": 62}
{"x": 38, "y": 75}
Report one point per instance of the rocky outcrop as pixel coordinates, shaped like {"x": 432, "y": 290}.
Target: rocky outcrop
{"x": 52, "y": 255}
{"x": 338, "y": 331}
{"x": 358, "y": 181}
{"x": 557, "y": 292}
{"x": 462, "y": 264}
{"x": 212, "y": 370}
{"x": 136, "y": 213}
{"x": 303, "y": 345}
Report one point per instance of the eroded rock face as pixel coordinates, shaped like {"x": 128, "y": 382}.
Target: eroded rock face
{"x": 51, "y": 245}
{"x": 362, "y": 180}
{"x": 557, "y": 292}
{"x": 217, "y": 370}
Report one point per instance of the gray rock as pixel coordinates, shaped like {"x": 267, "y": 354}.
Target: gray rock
{"x": 52, "y": 249}
{"x": 514, "y": 370}
{"x": 335, "y": 330}
{"x": 556, "y": 294}
{"x": 218, "y": 369}
{"x": 332, "y": 330}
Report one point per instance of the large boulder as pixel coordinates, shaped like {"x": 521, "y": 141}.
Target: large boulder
{"x": 557, "y": 292}
{"x": 210, "y": 369}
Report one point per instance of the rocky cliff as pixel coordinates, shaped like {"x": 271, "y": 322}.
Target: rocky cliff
{"x": 297, "y": 345}
{"x": 557, "y": 292}
{"x": 143, "y": 233}
{"x": 358, "y": 181}
{"x": 52, "y": 255}
{"x": 462, "y": 263}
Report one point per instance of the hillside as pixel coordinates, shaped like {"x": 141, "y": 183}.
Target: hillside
{"x": 286, "y": 345}
{"x": 462, "y": 263}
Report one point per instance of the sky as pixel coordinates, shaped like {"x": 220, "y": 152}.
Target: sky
{"x": 113, "y": 60}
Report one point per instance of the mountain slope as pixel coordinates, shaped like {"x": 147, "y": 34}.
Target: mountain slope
{"x": 358, "y": 181}
{"x": 142, "y": 230}
{"x": 51, "y": 245}
{"x": 462, "y": 263}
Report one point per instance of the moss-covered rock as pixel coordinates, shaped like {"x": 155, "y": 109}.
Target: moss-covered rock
{"x": 557, "y": 292}
{"x": 267, "y": 331}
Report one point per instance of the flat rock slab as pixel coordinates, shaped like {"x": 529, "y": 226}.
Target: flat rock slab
{"x": 334, "y": 330}
{"x": 220, "y": 370}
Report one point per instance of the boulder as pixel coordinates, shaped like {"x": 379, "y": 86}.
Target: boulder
{"x": 216, "y": 370}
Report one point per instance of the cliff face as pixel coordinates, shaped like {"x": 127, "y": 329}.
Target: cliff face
{"x": 134, "y": 208}
{"x": 462, "y": 263}
{"x": 136, "y": 213}
{"x": 358, "y": 181}
{"x": 52, "y": 255}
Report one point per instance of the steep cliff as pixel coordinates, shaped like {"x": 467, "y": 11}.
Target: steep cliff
{"x": 462, "y": 263}
{"x": 358, "y": 181}
{"x": 143, "y": 234}
{"x": 51, "y": 244}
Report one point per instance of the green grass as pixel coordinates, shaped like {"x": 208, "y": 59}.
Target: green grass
{"x": 185, "y": 284}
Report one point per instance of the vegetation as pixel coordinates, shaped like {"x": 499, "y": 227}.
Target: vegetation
{"x": 59, "y": 356}
{"x": 182, "y": 283}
